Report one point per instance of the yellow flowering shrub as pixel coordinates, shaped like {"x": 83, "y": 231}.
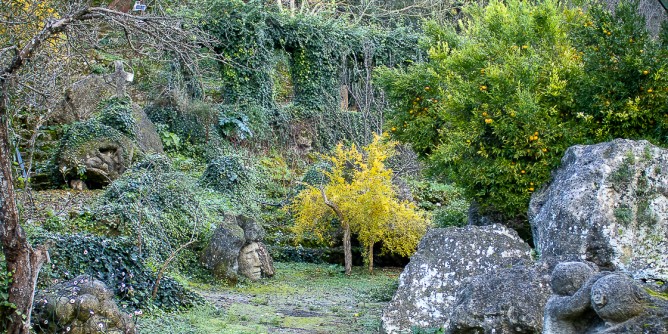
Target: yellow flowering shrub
{"x": 24, "y": 18}
{"x": 360, "y": 185}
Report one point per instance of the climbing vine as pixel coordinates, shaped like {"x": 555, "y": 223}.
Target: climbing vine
{"x": 330, "y": 61}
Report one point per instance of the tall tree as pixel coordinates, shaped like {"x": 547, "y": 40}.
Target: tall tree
{"x": 33, "y": 67}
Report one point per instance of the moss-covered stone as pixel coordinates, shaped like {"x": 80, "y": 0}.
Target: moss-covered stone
{"x": 94, "y": 152}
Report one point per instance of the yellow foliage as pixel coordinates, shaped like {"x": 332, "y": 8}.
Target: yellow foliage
{"x": 361, "y": 187}
{"x": 26, "y": 18}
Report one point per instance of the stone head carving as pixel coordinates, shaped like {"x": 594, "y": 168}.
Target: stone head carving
{"x": 616, "y": 298}
{"x": 569, "y": 277}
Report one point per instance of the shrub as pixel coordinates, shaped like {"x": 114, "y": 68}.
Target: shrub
{"x": 117, "y": 113}
{"x": 500, "y": 101}
{"x": 445, "y": 201}
{"x": 115, "y": 261}
{"x": 360, "y": 196}
{"x": 624, "y": 92}
{"x": 485, "y": 108}
{"x": 161, "y": 208}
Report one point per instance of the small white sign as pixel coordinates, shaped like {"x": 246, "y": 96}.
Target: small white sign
{"x": 138, "y": 7}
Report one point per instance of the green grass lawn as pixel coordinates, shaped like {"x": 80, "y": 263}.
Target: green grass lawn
{"x": 301, "y": 298}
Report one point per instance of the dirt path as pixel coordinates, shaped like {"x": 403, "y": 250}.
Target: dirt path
{"x": 306, "y": 298}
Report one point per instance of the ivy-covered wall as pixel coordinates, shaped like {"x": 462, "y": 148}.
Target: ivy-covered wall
{"x": 324, "y": 55}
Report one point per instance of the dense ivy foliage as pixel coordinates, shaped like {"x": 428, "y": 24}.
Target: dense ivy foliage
{"x": 227, "y": 174}
{"x": 5, "y": 280}
{"x": 272, "y": 56}
{"x": 115, "y": 261}
{"x": 117, "y": 113}
{"x": 162, "y": 208}
{"x": 188, "y": 124}
{"x": 505, "y": 93}
{"x": 319, "y": 49}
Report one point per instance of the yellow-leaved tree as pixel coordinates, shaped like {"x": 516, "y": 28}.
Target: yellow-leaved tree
{"x": 359, "y": 193}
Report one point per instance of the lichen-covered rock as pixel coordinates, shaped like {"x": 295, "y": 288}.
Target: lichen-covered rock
{"x": 509, "y": 300}
{"x": 82, "y": 305}
{"x": 100, "y": 149}
{"x": 608, "y": 204}
{"x": 255, "y": 261}
{"x": 568, "y": 310}
{"x": 252, "y": 230}
{"x": 235, "y": 249}
{"x": 445, "y": 259}
{"x": 222, "y": 253}
{"x": 82, "y": 99}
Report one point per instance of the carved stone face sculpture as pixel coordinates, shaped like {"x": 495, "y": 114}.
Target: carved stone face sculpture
{"x": 249, "y": 262}
{"x": 569, "y": 277}
{"x": 616, "y": 298}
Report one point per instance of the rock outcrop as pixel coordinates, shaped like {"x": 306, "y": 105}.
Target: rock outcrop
{"x": 601, "y": 223}
{"x": 445, "y": 259}
{"x": 236, "y": 249}
{"x": 82, "y": 305}
{"x": 147, "y": 135}
{"x": 82, "y": 99}
{"x": 608, "y": 204}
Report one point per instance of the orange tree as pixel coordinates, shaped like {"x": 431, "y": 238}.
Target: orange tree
{"x": 504, "y": 94}
{"x": 359, "y": 193}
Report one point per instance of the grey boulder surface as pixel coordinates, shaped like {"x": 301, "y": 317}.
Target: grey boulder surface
{"x": 510, "y": 300}
{"x": 444, "y": 261}
{"x": 608, "y": 204}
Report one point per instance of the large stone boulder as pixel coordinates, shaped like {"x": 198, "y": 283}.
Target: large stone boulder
{"x": 80, "y": 306}
{"x": 608, "y": 204}
{"x": 510, "y": 300}
{"x": 82, "y": 99}
{"x": 236, "y": 249}
{"x": 445, "y": 259}
{"x": 99, "y": 150}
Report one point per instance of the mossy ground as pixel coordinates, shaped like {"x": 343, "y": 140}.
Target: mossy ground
{"x": 301, "y": 298}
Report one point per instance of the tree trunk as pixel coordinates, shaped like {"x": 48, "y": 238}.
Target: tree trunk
{"x": 347, "y": 249}
{"x": 23, "y": 261}
{"x": 370, "y": 255}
